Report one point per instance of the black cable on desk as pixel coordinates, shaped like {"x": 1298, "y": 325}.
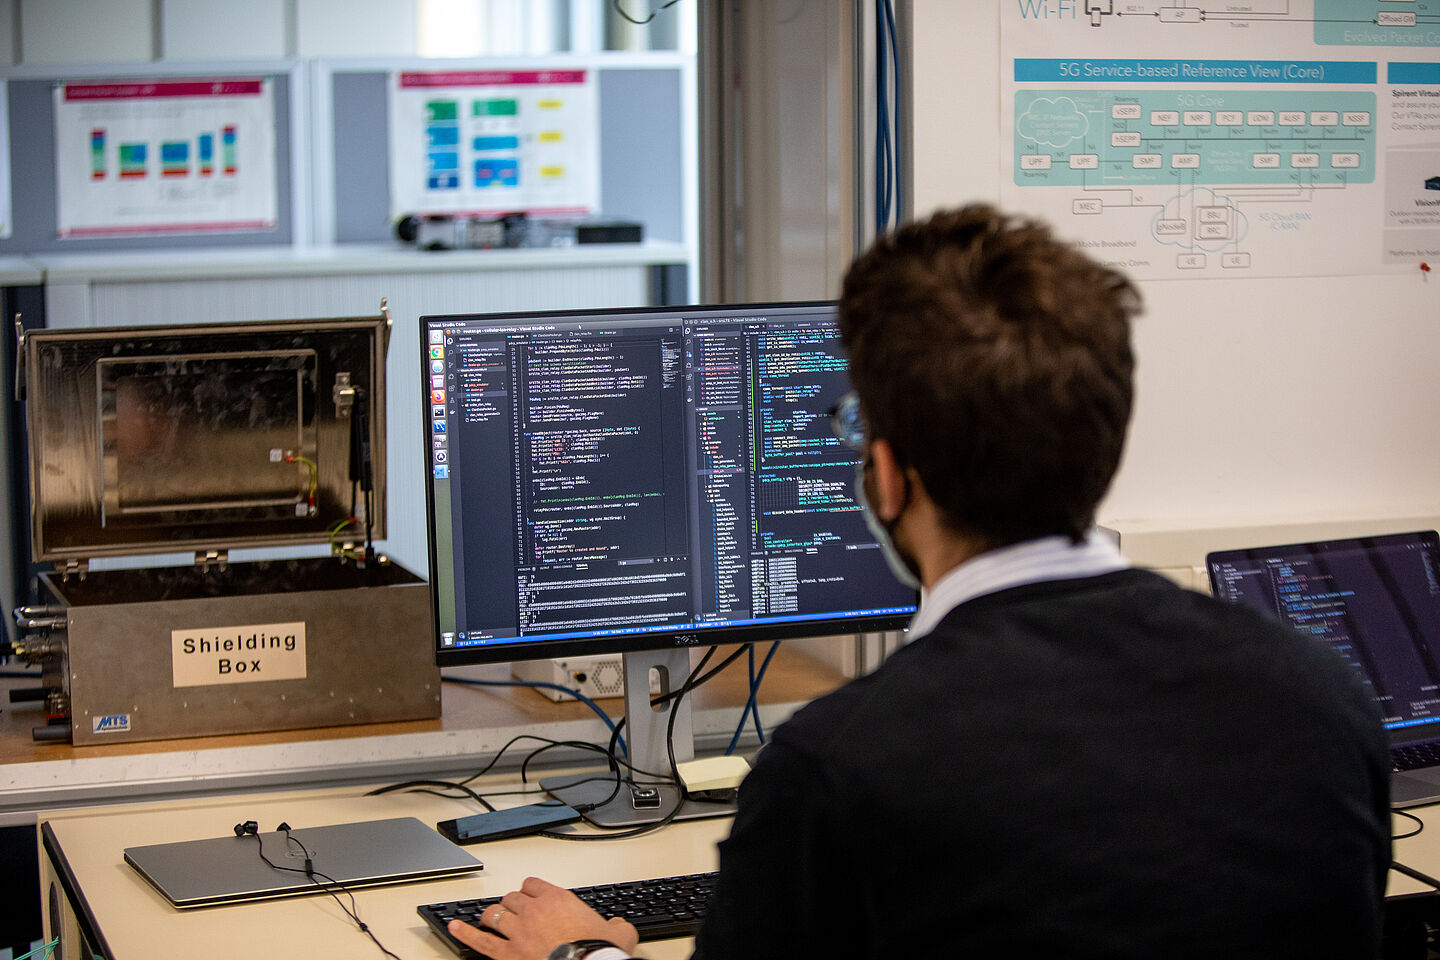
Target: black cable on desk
{"x": 697, "y": 676}
{"x": 250, "y": 829}
{"x": 422, "y": 786}
{"x": 1419, "y": 825}
{"x": 691, "y": 682}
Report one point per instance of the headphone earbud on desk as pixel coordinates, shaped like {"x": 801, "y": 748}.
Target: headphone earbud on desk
{"x": 251, "y": 828}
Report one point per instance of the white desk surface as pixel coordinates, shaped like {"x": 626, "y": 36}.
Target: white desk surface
{"x": 1403, "y": 885}
{"x": 137, "y": 923}
{"x": 1420, "y": 852}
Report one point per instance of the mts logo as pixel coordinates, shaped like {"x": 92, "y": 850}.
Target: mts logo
{"x": 111, "y": 723}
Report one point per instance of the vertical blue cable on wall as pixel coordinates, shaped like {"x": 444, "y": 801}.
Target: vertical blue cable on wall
{"x": 888, "y": 211}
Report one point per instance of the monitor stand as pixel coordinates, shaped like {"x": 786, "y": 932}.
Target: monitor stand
{"x": 645, "y": 733}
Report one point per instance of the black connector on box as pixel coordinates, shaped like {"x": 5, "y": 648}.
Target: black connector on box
{"x": 611, "y": 231}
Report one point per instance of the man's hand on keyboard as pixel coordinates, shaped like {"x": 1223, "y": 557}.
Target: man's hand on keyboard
{"x": 536, "y": 919}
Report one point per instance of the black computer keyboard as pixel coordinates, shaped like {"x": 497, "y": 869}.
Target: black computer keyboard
{"x": 660, "y": 908}
{"x": 1412, "y": 755}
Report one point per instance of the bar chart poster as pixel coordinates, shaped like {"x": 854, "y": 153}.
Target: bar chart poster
{"x": 150, "y": 157}
{"x": 492, "y": 142}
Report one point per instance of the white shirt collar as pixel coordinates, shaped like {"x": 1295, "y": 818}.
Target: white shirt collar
{"x": 1030, "y": 561}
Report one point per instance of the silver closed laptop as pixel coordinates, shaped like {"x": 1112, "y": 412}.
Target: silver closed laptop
{"x": 200, "y": 873}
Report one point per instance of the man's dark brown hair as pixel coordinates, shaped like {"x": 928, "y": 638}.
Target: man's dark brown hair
{"x": 996, "y": 361}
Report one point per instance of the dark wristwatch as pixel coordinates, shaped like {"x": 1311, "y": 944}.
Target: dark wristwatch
{"x": 580, "y": 948}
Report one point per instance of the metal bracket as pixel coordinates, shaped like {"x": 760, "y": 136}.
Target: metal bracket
{"x": 343, "y": 393}
{"x": 74, "y": 568}
{"x": 205, "y": 559}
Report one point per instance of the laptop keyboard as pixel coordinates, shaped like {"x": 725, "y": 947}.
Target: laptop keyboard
{"x": 661, "y": 908}
{"x": 1411, "y": 756}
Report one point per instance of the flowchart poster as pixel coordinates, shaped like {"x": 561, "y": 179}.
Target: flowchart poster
{"x": 147, "y": 157}
{"x": 491, "y": 142}
{"x": 1264, "y": 138}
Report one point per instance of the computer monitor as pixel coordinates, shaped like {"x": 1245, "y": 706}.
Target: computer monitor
{"x": 643, "y": 480}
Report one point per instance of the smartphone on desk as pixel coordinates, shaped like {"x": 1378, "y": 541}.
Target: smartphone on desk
{"x": 509, "y": 822}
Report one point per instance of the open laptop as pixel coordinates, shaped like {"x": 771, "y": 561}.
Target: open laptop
{"x": 202, "y": 873}
{"x": 1376, "y": 600}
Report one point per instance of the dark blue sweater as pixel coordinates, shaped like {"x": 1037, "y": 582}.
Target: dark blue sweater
{"x": 1102, "y": 767}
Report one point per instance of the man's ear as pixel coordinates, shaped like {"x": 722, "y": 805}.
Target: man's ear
{"x": 888, "y": 499}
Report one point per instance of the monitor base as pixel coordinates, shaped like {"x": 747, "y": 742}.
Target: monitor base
{"x": 583, "y": 790}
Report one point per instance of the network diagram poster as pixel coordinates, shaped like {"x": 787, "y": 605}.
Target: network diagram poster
{"x": 491, "y": 142}
{"x": 146, "y": 157}
{"x": 1267, "y": 138}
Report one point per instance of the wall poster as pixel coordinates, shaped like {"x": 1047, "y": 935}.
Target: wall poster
{"x": 165, "y": 156}
{"x": 1251, "y": 138}
{"x": 491, "y": 142}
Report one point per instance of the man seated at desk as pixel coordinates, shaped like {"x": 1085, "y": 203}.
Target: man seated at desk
{"x": 1072, "y": 758}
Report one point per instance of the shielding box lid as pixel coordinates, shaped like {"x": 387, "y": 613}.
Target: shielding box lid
{"x": 204, "y": 436}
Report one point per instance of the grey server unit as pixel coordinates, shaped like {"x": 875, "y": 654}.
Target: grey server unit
{"x": 201, "y": 439}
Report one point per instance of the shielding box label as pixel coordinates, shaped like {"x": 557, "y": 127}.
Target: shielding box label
{"x": 253, "y": 653}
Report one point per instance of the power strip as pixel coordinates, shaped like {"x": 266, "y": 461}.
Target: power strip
{"x": 595, "y": 677}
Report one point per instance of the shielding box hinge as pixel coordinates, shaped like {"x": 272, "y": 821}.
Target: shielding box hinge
{"x": 206, "y": 559}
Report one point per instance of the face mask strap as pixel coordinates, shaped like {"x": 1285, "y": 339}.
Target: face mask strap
{"x": 901, "y": 567}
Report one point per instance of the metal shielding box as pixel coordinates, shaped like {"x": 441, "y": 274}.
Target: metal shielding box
{"x": 202, "y": 439}
{"x": 366, "y": 652}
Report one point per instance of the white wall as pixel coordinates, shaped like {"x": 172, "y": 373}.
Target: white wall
{"x": 75, "y": 31}
{"x": 1255, "y": 398}
{"x": 204, "y": 30}
{"x": 355, "y": 28}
